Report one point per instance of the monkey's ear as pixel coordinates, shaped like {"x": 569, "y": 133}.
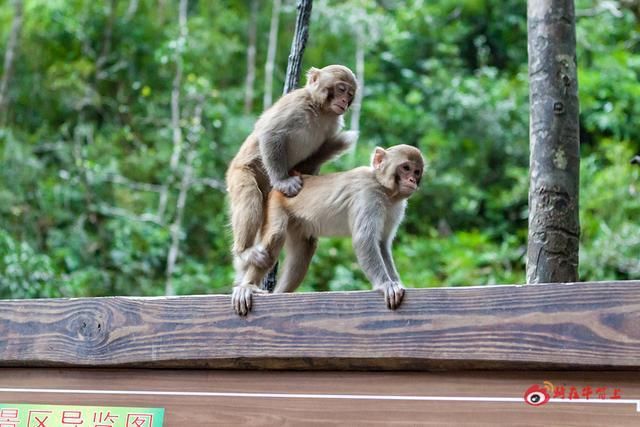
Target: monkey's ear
{"x": 313, "y": 75}
{"x": 378, "y": 156}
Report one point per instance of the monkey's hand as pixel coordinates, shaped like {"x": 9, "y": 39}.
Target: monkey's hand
{"x": 393, "y": 293}
{"x": 289, "y": 186}
{"x": 241, "y": 298}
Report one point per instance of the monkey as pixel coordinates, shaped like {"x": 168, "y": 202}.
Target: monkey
{"x": 300, "y": 132}
{"x": 366, "y": 203}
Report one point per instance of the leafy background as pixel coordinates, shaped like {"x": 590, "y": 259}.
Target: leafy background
{"x": 87, "y": 139}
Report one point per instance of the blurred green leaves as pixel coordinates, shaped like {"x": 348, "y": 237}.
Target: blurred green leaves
{"x": 86, "y": 150}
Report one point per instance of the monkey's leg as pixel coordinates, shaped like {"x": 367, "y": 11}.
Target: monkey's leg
{"x": 272, "y": 238}
{"x": 246, "y": 203}
{"x": 299, "y": 251}
{"x": 241, "y": 298}
{"x": 273, "y": 232}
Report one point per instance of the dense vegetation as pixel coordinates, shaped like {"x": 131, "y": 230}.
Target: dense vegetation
{"x": 91, "y": 202}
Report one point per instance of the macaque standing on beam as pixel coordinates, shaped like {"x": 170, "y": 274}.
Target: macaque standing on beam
{"x": 298, "y": 133}
{"x": 366, "y": 203}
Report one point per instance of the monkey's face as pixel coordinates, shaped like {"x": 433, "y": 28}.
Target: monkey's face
{"x": 408, "y": 176}
{"x": 340, "y": 97}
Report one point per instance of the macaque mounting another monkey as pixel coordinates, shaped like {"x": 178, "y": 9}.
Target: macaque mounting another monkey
{"x": 298, "y": 133}
{"x": 366, "y": 203}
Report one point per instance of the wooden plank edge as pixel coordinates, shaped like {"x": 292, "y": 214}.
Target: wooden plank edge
{"x": 313, "y": 360}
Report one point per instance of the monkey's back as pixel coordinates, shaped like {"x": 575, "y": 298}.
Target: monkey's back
{"x": 326, "y": 204}
{"x": 304, "y": 130}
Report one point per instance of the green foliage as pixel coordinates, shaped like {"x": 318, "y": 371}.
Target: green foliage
{"x": 88, "y": 140}
{"x": 610, "y": 206}
{"x": 23, "y": 272}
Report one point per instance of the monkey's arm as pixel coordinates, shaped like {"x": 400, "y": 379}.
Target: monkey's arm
{"x": 397, "y": 214}
{"x": 330, "y": 149}
{"x": 367, "y": 238}
{"x": 387, "y": 257}
{"x": 273, "y": 150}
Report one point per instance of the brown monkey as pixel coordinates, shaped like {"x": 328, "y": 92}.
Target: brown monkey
{"x": 366, "y": 203}
{"x": 299, "y": 132}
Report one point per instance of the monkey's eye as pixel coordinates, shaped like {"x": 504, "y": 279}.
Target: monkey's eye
{"x": 341, "y": 88}
{"x": 416, "y": 172}
{"x": 406, "y": 168}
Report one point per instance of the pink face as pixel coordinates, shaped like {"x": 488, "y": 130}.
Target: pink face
{"x": 343, "y": 94}
{"x": 408, "y": 174}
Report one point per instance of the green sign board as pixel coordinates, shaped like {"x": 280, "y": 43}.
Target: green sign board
{"x": 28, "y": 415}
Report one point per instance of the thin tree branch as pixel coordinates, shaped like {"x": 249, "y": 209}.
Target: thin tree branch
{"x": 9, "y": 59}
{"x": 298, "y": 45}
{"x": 357, "y": 102}
{"x": 175, "y": 108}
{"x": 175, "y": 229}
{"x": 106, "y": 41}
{"x": 107, "y": 210}
{"x": 271, "y": 54}
{"x": 135, "y": 185}
{"x": 211, "y": 183}
{"x": 251, "y": 58}
{"x": 131, "y": 10}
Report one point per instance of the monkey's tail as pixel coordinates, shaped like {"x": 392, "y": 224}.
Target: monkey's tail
{"x": 269, "y": 281}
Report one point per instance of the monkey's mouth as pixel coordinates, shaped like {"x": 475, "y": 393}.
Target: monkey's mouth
{"x": 410, "y": 186}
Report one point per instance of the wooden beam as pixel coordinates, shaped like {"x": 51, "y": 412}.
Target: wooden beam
{"x": 553, "y": 326}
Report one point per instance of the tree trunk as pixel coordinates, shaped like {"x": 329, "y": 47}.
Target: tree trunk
{"x": 298, "y": 45}
{"x": 554, "y": 226}
{"x": 271, "y": 54}
{"x": 176, "y": 129}
{"x": 9, "y": 59}
{"x": 251, "y": 58}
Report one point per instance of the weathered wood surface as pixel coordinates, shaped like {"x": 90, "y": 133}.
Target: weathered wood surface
{"x": 204, "y": 398}
{"x": 554, "y": 326}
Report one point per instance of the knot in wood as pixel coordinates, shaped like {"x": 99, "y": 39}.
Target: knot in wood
{"x": 558, "y": 107}
{"x": 88, "y": 327}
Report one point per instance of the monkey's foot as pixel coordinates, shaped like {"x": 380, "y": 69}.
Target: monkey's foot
{"x": 241, "y": 298}
{"x": 393, "y": 293}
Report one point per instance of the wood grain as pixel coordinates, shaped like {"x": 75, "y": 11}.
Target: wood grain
{"x": 554, "y": 326}
{"x": 206, "y": 411}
